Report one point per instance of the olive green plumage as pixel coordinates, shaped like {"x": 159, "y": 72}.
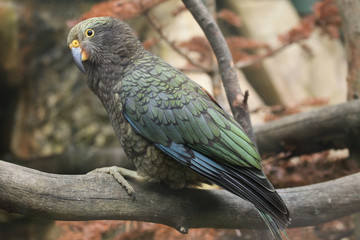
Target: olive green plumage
{"x": 168, "y": 125}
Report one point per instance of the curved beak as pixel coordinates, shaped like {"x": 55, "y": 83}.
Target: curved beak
{"x": 76, "y": 52}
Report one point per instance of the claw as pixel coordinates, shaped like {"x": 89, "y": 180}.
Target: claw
{"x": 119, "y": 173}
{"x": 133, "y": 196}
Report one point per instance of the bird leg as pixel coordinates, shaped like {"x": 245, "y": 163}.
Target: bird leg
{"x": 119, "y": 174}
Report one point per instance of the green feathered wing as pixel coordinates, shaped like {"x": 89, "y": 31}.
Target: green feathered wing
{"x": 182, "y": 120}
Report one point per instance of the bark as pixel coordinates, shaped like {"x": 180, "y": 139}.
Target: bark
{"x": 349, "y": 10}
{"x": 76, "y": 160}
{"x": 330, "y": 127}
{"x": 99, "y": 196}
{"x": 237, "y": 99}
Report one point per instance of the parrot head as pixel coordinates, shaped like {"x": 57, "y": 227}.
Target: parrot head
{"x": 101, "y": 40}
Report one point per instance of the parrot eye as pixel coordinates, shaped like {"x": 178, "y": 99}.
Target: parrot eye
{"x": 89, "y": 32}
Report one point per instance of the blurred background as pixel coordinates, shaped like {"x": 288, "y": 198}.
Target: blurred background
{"x": 290, "y": 56}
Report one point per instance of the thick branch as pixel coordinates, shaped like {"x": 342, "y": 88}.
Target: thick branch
{"x": 76, "y": 160}
{"x": 237, "y": 100}
{"x": 331, "y": 127}
{"x": 99, "y": 196}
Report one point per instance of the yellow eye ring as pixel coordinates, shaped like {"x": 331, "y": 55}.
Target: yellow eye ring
{"x": 89, "y": 33}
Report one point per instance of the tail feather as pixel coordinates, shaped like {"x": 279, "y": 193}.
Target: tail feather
{"x": 277, "y": 231}
{"x": 250, "y": 184}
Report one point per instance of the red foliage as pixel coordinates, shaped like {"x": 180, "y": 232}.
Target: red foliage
{"x": 334, "y": 230}
{"x": 123, "y": 9}
{"x": 201, "y": 47}
{"x": 129, "y": 230}
{"x": 242, "y": 48}
{"x": 278, "y": 111}
{"x": 150, "y": 42}
{"x": 325, "y": 15}
{"x": 86, "y": 230}
{"x": 162, "y": 232}
{"x": 309, "y": 169}
{"x": 339, "y": 229}
{"x": 179, "y": 10}
{"x": 300, "y": 32}
{"x": 230, "y": 17}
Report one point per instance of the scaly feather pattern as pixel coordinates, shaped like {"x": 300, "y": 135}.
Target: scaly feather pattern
{"x": 181, "y": 119}
{"x": 171, "y": 128}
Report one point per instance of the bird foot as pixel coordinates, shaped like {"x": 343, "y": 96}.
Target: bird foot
{"x": 119, "y": 174}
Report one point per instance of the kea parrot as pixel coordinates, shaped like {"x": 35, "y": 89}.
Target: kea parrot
{"x": 172, "y": 129}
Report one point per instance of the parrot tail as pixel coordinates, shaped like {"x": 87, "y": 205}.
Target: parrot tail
{"x": 277, "y": 231}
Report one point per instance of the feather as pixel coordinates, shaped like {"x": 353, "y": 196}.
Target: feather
{"x": 234, "y": 180}
{"x": 157, "y": 112}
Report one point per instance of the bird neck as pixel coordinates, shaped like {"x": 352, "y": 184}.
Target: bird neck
{"x": 104, "y": 78}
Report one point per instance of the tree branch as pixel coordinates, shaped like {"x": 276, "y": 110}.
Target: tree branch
{"x": 331, "y": 127}
{"x": 349, "y": 10}
{"x": 259, "y": 58}
{"x": 99, "y": 196}
{"x": 153, "y": 23}
{"x": 78, "y": 160}
{"x": 227, "y": 69}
